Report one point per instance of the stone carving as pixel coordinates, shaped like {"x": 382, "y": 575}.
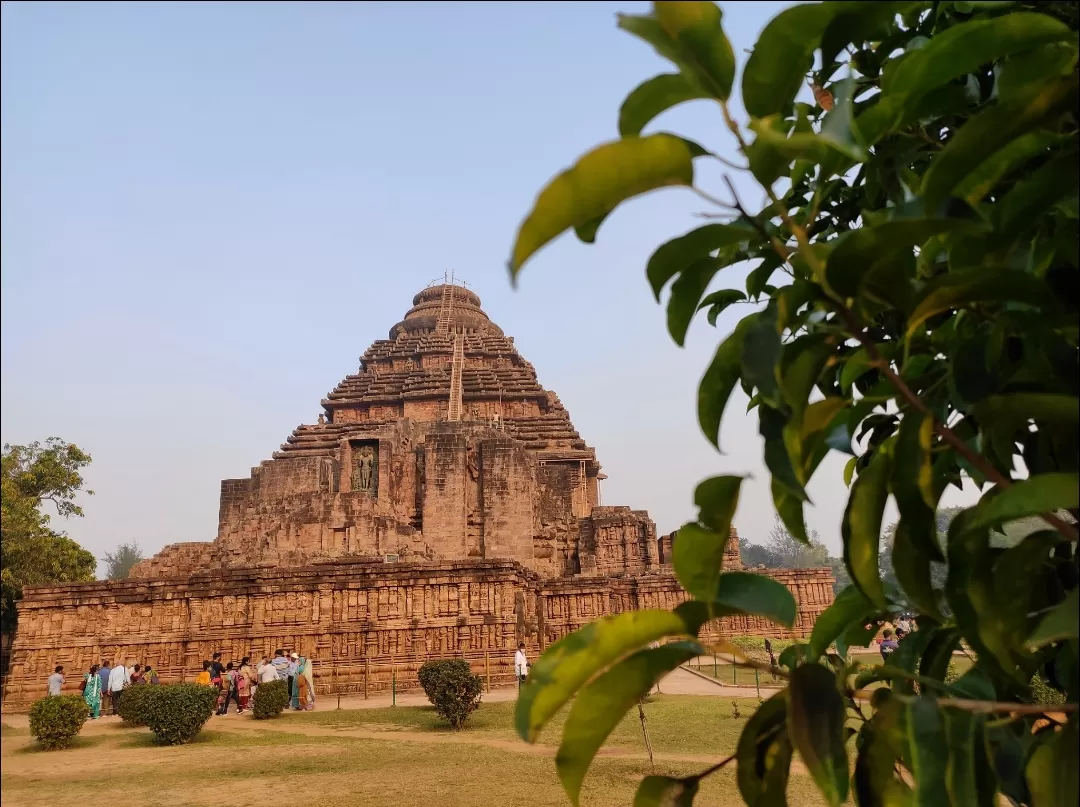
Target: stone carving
{"x": 514, "y": 541}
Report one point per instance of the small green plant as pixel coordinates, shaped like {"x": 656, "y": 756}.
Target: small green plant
{"x": 176, "y": 713}
{"x": 431, "y": 671}
{"x": 133, "y": 703}
{"x": 56, "y": 721}
{"x": 453, "y": 689}
{"x": 735, "y": 710}
{"x": 270, "y": 700}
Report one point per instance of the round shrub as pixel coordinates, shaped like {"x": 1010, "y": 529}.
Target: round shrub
{"x": 177, "y": 712}
{"x": 133, "y": 702}
{"x": 56, "y": 721}
{"x": 431, "y": 671}
{"x": 453, "y": 689}
{"x": 270, "y": 700}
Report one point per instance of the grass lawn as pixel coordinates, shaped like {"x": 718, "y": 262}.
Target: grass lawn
{"x": 375, "y": 756}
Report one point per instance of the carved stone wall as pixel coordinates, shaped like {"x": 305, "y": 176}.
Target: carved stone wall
{"x": 362, "y": 622}
{"x": 489, "y": 524}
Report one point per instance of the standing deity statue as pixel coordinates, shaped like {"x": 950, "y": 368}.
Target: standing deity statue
{"x": 367, "y": 460}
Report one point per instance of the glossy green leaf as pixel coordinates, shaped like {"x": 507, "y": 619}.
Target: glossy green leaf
{"x": 759, "y": 278}
{"x": 790, "y": 510}
{"x": 1060, "y": 623}
{"x": 757, "y": 595}
{"x": 1057, "y": 410}
{"x": 719, "y": 301}
{"x": 861, "y": 527}
{"x": 686, "y": 294}
{"x": 951, "y": 54}
{"x": 849, "y": 470}
{"x": 912, "y": 482}
{"x": 665, "y": 791}
{"x": 600, "y": 181}
{"x": 969, "y": 779}
{"x": 877, "y": 747}
{"x": 816, "y": 716}
{"x": 1022, "y": 71}
{"x": 1053, "y": 777}
{"x": 774, "y": 149}
{"x": 1014, "y": 154}
{"x": 1036, "y": 194}
{"x": 698, "y": 556}
{"x": 856, "y": 364}
{"x": 849, "y": 607}
{"x": 912, "y": 569}
{"x": 572, "y": 661}
{"x": 858, "y": 252}
{"x": 649, "y": 99}
{"x": 690, "y": 35}
{"x": 784, "y": 52}
{"x": 601, "y": 705}
{"x": 1021, "y": 580}
{"x": 986, "y": 133}
{"x": 1044, "y": 493}
{"x": 984, "y": 285}
{"x": 773, "y": 426}
{"x": 720, "y": 379}
{"x": 763, "y": 755}
{"x": 674, "y": 256}
{"x": 927, "y": 751}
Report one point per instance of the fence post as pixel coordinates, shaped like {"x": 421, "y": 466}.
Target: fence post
{"x": 367, "y": 671}
{"x": 757, "y": 683}
{"x": 393, "y": 682}
{"x": 715, "y": 673}
{"x": 734, "y": 670}
{"x": 337, "y": 687}
{"x": 487, "y": 669}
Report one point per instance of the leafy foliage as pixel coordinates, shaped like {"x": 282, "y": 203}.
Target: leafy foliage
{"x": 32, "y": 552}
{"x": 134, "y": 702}
{"x": 453, "y": 689}
{"x": 176, "y": 713}
{"x": 56, "y": 721}
{"x": 270, "y": 700}
{"x": 921, "y": 229}
{"x": 118, "y": 564}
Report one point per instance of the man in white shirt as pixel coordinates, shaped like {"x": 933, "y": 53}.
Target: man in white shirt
{"x": 118, "y": 679}
{"x": 521, "y": 664}
{"x": 267, "y": 672}
{"x": 56, "y": 681}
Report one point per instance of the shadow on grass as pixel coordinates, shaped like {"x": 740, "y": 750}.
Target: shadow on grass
{"x": 76, "y": 744}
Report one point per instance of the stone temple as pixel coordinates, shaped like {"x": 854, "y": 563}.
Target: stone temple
{"x": 442, "y": 505}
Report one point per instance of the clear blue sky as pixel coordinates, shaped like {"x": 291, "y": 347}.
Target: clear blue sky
{"x": 210, "y": 210}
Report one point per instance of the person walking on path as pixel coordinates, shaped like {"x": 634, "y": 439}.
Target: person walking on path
{"x": 119, "y": 678}
{"x": 56, "y": 681}
{"x": 248, "y": 680}
{"x": 302, "y": 695}
{"x": 150, "y": 675}
{"x": 888, "y": 645}
{"x": 91, "y": 691}
{"x": 203, "y": 678}
{"x": 521, "y": 664}
{"x": 104, "y": 671}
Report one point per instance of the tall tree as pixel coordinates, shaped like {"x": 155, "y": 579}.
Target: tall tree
{"x": 118, "y": 563}
{"x": 912, "y": 302}
{"x": 34, "y": 479}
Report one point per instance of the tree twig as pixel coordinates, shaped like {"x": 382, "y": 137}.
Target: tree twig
{"x": 715, "y": 768}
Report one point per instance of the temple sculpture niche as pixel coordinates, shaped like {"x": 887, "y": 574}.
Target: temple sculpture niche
{"x": 442, "y": 504}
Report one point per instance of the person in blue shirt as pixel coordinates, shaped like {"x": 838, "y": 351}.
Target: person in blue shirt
{"x": 103, "y": 674}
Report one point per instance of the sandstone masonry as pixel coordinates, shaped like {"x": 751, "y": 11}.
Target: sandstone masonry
{"x": 442, "y": 505}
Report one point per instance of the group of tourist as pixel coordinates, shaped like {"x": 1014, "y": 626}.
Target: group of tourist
{"x": 237, "y": 682}
{"x": 104, "y": 683}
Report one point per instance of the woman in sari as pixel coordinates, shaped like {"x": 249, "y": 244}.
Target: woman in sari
{"x": 91, "y": 691}
{"x": 303, "y": 694}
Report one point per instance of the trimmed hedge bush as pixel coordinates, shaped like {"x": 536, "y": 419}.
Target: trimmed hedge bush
{"x": 453, "y": 689}
{"x": 177, "y": 712}
{"x": 56, "y": 720}
{"x": 270, "y": 700}
{"x": 431, "y": 671}
{"x": 133, "y": 702}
